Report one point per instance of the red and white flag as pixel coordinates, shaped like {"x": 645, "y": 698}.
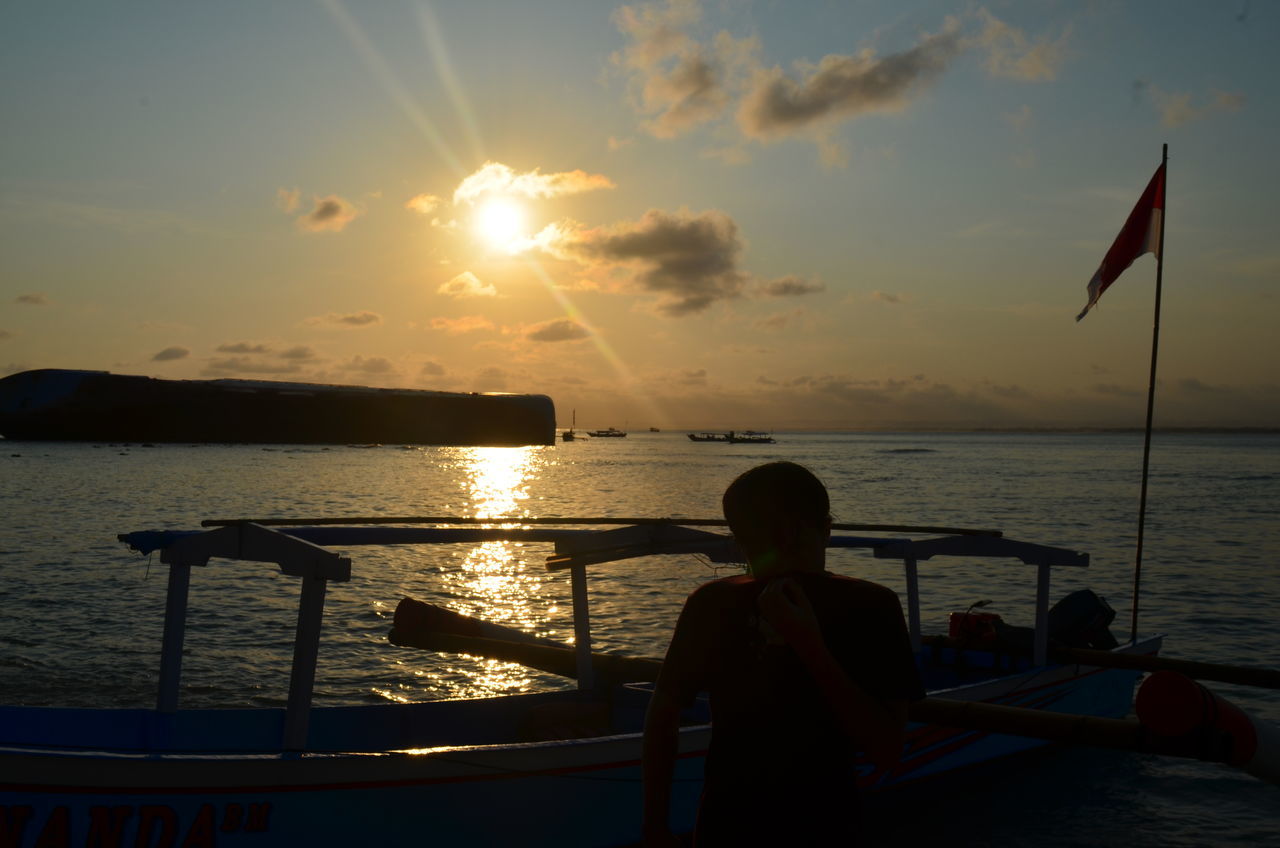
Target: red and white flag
{"x": 1141, "y": 234}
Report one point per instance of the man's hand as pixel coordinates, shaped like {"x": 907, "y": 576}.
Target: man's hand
{"x": 784, "y": 605}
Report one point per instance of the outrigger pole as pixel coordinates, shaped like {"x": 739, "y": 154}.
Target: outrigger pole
{"x": 1151, "y": 400}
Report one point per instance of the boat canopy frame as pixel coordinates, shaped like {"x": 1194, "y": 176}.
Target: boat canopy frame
{"x": 299, "y": 551}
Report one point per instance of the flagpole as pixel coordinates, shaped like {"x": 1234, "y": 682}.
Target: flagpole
{"x": 1151, "y": 399}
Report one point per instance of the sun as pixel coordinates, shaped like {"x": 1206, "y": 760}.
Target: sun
{"x": 500, "y": 222}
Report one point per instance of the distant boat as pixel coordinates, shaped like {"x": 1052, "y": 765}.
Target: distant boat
{"x": 746, "y": 437}
{"x": 569, "y": 435}
{"x": 610, "y": 433}
{"x": 62, "y": 405}
{"x": 654, "y": 430}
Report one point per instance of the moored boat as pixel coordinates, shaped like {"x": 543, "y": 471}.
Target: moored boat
{"x": 607, "y": 433}
{"x": 62, "y": 405}
{"x": 323, "y": 774}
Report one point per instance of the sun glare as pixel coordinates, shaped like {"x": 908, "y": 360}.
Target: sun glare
{"x": 500, "y": 222}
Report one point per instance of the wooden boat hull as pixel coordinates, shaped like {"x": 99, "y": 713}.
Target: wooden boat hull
{"x": 386, "y": 773}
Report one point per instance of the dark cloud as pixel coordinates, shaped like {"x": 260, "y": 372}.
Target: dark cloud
{"x": 432, "y": 369}
{"x": 690, "y": 260}
{"x": 32, "y": 299}
{"x": 329, "y": 214}
{"x": 171, "y": 353}
{"x": 370, "y": 365}
{"x": 558, "y": 330}
{"x": 779, "y": 320}
{"x": 1115, "y": 390}
{"x": 5, "y": 334}
{"x": 364, "y": 318}
{"x": 245, "y": 365}
{"x": 791, "y": 286}
{"x": 243, "y": 347}
{"x": 1191, "y": 384}
{"x": 299, "y": 352}
{"x": 844, "y": 86}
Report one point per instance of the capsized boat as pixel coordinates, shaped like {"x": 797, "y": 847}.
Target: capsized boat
{"x": 61, "y": 405}
{"x": 454, "y": 770}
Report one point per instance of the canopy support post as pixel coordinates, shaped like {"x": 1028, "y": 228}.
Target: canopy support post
{"x": 306, "y": 649}
{"x": 175, "y": 626}
{"x": 581, "y": 627}
{"x": 913, "y": 600}
{"x": 1042, "y": 614}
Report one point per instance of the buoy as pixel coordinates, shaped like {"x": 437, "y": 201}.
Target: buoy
{"x": 1172, "y": 704}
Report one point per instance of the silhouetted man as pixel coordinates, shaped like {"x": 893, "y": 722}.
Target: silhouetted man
{"x": 803, "y": 668}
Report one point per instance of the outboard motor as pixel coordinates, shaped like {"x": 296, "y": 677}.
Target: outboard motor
{"x": 1081, "y": 620}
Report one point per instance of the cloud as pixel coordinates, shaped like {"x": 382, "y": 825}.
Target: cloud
{"x": 5, "y": 334}
{"x": 490, "y": 380}
{"x": 242, "y": 347}
{"x": 1011, "y": 54}
{"x": 844, "y": 86}
{"x": 791, "y": 286}
{"x": 423, "y": 204}
{"x": 1020, "y": 119}
{"x": 677, "y": 81}
{"x": 1177, "y": 108}
{"x": 888, "y": 297}
{"x": 497, "y": 178}
{"x": 32, "y": 299}
{"x": 171, "y": 353}
{"x": 691, "y": 261}
{"x": 370, "y": 365}
{"x": 288, "y": 199}
{"x": 246, "y": 365}
{"x": 300, "y": 353}
{"x": 352, "y": 320}
{"x": 779, "y": 320}
{"x": 464, "y": 324}
{"x": 557, "y": 330}
{"x": 431, "y": 369}
{"x": 329, "y": 214}
{"x": 467, "y": 284}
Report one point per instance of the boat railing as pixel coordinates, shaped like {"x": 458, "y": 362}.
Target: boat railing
{"x": 298, "y": 548}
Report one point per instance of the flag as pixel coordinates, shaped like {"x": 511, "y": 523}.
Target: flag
{"x": 1141, "y": 234}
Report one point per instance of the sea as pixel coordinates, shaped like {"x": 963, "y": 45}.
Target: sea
{"x": 81, "y": 614}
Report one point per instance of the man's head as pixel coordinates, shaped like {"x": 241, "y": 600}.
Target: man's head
{"x": 780, "y": 515}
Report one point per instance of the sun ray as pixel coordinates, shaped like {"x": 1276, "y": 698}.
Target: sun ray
{"x": 392, "y": 84}
{"x": 626, "y": 379}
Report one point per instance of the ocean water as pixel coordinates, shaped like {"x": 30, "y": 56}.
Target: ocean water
{"x": 80, "y": 615}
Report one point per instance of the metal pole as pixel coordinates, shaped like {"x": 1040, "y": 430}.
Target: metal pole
{"x": 1151, "y": 398}
{"x": 913, "y": 600}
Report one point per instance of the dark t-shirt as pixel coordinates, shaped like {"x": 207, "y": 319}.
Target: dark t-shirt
{"x": 778, "y": 757}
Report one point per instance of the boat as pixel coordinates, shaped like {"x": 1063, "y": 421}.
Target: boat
{"x": 569, "y": 435}
{"x": 609, "y": 433}
{"x": 451, "y": 770}
{"x": 654, "y": 430}
{"x": 747, "y": 437}
{"x": 65, "y": 405}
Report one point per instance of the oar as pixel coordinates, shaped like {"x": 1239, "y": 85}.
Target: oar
{"x": 1265, "y": 678}
{"x": 1121, "y": 734}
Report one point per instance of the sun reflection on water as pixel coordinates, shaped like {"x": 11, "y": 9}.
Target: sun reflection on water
{"x": 499, "y": 582}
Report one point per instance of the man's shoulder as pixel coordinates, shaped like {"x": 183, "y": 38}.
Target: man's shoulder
{"x": 864, "y": 591}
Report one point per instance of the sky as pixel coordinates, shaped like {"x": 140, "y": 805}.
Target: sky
{"x": 719, "y": 214}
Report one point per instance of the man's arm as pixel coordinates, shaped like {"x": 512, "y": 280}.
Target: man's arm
{"x": 875, "y": 725}
{"x": 682, "y": 676}
{"x": 661, "y": 740}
